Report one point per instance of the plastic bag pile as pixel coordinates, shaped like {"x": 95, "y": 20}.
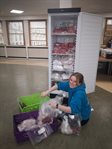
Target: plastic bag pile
{"x": 40, "y": 128}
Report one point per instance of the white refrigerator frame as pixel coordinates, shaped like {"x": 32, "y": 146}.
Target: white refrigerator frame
{"x": 89, "y": 31}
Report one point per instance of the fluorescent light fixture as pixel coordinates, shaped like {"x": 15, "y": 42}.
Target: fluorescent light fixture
{"x": 16, "y": 11}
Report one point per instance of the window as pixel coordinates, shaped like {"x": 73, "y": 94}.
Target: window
{"x": 109, "y": 22}
{"x": 38, "y": 33}
{"x": 15, "y": 33}
{"x": 107, "y": 31}
{"x": 1, "y": 34}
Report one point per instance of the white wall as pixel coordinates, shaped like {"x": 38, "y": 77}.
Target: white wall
{"x": 24, "y": 51}
{"x": 65, "y": 3}
{"x": 2, "y": 52}
{"x": 107, "y": 15}
{"x": 32, "y": 52}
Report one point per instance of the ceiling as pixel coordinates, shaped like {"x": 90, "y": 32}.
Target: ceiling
{"x": 40, "y": 7}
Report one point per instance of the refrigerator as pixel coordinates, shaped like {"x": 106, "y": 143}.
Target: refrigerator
{"x": 73, "y": 44}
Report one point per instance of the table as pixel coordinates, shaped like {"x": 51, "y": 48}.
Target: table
{"x": 109, "y": 61}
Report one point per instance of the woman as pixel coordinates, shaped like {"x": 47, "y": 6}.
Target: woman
{"x": 78, "y": 102}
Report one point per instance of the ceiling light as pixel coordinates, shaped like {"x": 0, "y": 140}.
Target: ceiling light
{"x": 16, "y": 11}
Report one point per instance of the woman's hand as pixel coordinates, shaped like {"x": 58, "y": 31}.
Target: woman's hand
{"x": 63, "y": 108}
{"x": 45, "y": 93}
{"x": 53, "y": 104}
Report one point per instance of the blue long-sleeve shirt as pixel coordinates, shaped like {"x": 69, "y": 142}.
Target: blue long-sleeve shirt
{"x": 78, "y": 100}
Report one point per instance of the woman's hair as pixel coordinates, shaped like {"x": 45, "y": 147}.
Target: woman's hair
{"x": 79, "y": 77}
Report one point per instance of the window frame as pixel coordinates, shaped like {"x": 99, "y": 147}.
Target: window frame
{"x": 8, "y": 32}
{"x": 29, "y": 21}
{"x": 1, "y": 33}
{"x": 107, "y": 37}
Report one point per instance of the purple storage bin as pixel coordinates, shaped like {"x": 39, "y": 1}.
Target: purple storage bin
{"x": 18, "y": 118}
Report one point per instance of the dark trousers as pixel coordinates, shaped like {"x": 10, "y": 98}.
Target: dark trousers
{"x": 83, "y": 122}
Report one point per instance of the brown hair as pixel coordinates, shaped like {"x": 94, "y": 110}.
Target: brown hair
{"x": 79, "y": 77}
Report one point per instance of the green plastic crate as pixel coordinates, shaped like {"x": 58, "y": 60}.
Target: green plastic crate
{"x": 31, "y": 102}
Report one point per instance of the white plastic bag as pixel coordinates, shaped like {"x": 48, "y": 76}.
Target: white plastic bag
{"x": 71, "y": 124}
{"x": 39, "y": 134}
{"x": 27, "y": 124}
{"x": 47, "y": 113}
{"x": 65, "y": 127}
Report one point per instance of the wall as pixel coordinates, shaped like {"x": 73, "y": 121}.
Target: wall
{"x": 22, "y": 51}
{"x": 27, "y": 51}
{"x": 108, "y": 15}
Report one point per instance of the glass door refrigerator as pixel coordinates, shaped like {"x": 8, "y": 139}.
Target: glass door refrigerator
{"x": 73, "y": 42}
